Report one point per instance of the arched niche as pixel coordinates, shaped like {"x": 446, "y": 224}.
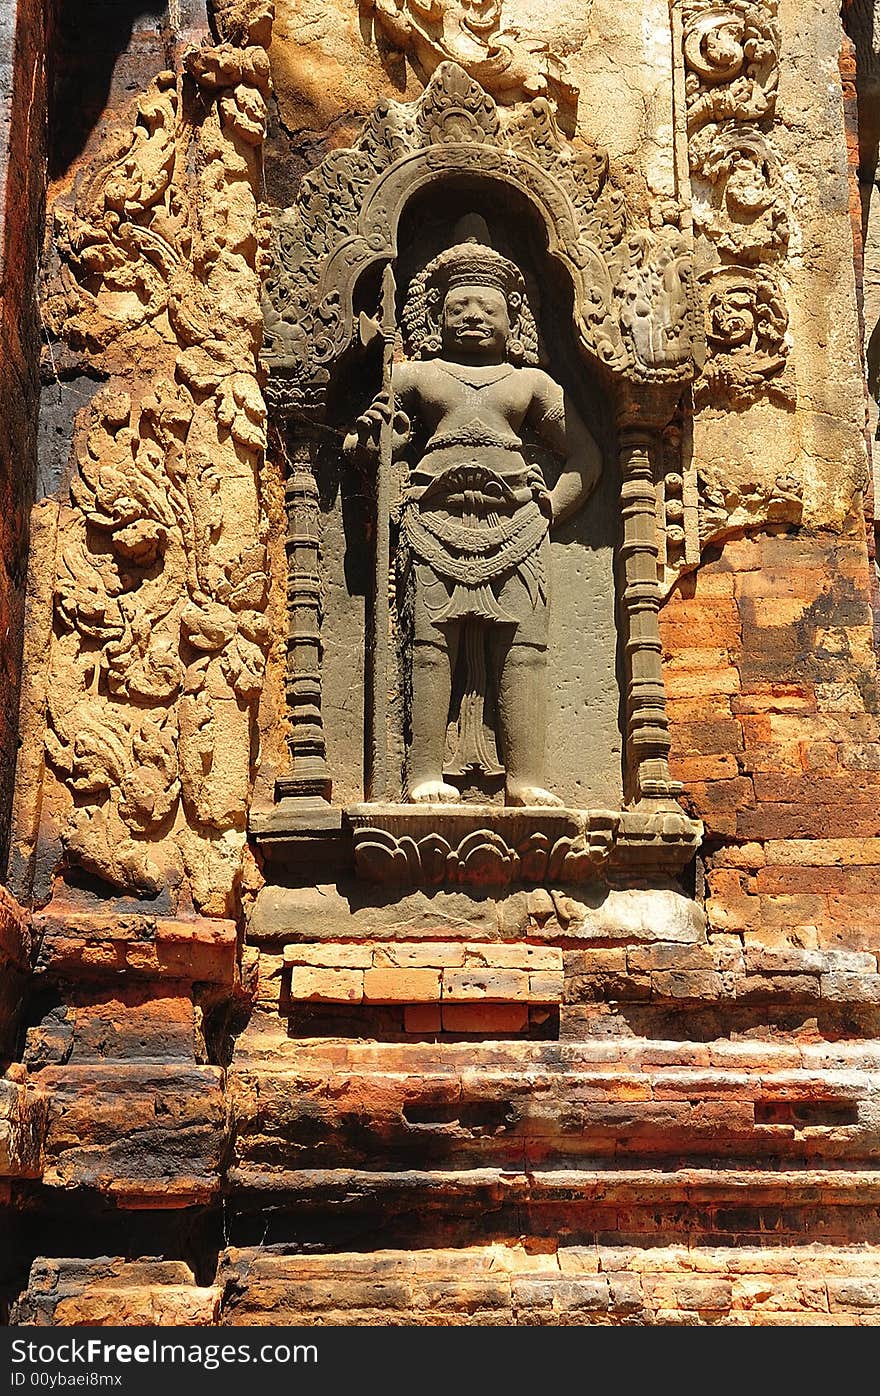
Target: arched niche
{"x": 586, "y": 662}
{"x": 617, "y": 328}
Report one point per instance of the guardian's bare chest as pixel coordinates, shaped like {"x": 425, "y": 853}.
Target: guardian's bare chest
{"x": 441, "y": 392}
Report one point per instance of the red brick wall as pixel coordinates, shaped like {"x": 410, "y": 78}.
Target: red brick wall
{"x": 772, "y": 683}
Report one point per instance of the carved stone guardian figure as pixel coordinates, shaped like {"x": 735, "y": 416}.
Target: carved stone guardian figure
{"x": 476, "y": 514}
{"x": 508, "y": 637}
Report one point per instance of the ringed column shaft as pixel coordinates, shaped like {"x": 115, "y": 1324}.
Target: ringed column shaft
{"x": 647, "y": 723}
{"x": 308, "y": 776}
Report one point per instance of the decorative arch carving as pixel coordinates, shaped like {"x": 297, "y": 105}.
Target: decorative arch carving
{"x": 632, "y": 287}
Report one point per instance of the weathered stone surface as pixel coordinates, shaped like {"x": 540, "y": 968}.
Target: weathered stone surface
{"x": 97, "y": 946}
{"x": 498, "y": 1103}
{"x": 328, "y": 913}
{"x": 76, "y": 1293}
{"x": 23, "y": 1115}
{"x": 507, "y": 1284}
{"x": 149, "y": 1135}
{"x": 16, "y": 948}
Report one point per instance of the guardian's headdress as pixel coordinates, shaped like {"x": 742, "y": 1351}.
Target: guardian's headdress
{"x": 471, "y": 263}
{"x": 468, "y": 263}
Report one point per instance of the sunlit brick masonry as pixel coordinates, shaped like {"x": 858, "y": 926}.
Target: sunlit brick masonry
{"x": 440, "y": 752}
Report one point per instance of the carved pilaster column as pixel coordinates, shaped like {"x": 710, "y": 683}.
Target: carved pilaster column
{"x": 308, "y": 777}
{"x": 647, "y": 724}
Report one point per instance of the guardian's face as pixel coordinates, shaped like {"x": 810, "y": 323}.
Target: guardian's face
{"x": 475, "y": 320}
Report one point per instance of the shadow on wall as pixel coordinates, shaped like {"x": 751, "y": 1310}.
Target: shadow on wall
{"x": 90, "y": 36}
{"x": 861, "y": 22}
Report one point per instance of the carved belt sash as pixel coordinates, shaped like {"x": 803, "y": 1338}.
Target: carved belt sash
{"x": 479, "y": 531}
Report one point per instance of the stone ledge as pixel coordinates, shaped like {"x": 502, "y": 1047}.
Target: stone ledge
{"x": 114, "y": 1292}
{"x": 748, "y": 1187}
{"x": 505, "y": 1282}
{"x": 484, "y": 845}
{"x": 513, "y": 1106}
{"x": 358, "y": 911}
{"x": 620, "y": 1055}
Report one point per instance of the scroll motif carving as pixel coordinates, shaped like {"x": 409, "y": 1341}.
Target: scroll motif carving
{"x": 160, "y": 629}
{"x": 471, "y": 33}
{"x": 747, "y": 216}
{"x": 394, "y": 847}
{"x": 345, "y": 219}
{"x": 723, "y": 509}
{"x": 482, "y": 858}
{"x": 731, "y": 54}
{"x": 741, "y": 206}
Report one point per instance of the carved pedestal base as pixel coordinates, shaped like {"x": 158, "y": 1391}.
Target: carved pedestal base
{"x": 435, "y": 845}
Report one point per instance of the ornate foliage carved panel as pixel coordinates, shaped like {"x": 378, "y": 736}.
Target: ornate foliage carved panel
{"x": 472, "y": 33}
{"x": 741, "y": 210}
{"x": 158, "y": 640}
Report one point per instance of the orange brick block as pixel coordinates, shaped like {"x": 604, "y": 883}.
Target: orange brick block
{"x": 700, "y": 768}
{"x": 709, "y": 583}
{"x": 326, "y": 985}
{"x": 487, "y": 985}
{"x": 499, "y": 1018}
{"x": 432, "y": 954}
{"x": 698, "y": 683}
{"x": 775, "y": 698}
{"x": 523, "y": 957}
{"x": 546, "y": 986}
{"x": 422, "y": 1017}
{"x": 402, "y": 985}
{"x": 329, "y": 956}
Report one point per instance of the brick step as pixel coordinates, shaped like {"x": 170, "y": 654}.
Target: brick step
{"x": 512, "y": 1284}
{"x": 552, "y": 1108}
{"x": 502, "y": 1283}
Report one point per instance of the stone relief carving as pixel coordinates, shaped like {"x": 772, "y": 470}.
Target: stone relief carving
{"x": 678, "y": 536}
{"x": 346, "y": 210}
{"x": 475, "y": 520}
{"x": 471, "y": 34}
{"x": 482, "y": 858}
{"x": 741, "y": 208}
{"x": 731, "y": 54}
{"x": 243, "y": 23}
{"x": 470, "y": 522}
{"x": 746, "y": 217}
{"x": 160, "y": 640}
{"x": 561, "y": 847}
{"x": 746, "y": 324}
{"x": 727, "y": 510}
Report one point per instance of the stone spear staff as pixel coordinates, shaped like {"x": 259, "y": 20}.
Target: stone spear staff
{"x": 377, "y": 748}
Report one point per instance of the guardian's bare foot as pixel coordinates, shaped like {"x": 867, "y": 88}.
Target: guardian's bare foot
{"x": 518, "y": 793}
{"x": 434, "y": 792}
